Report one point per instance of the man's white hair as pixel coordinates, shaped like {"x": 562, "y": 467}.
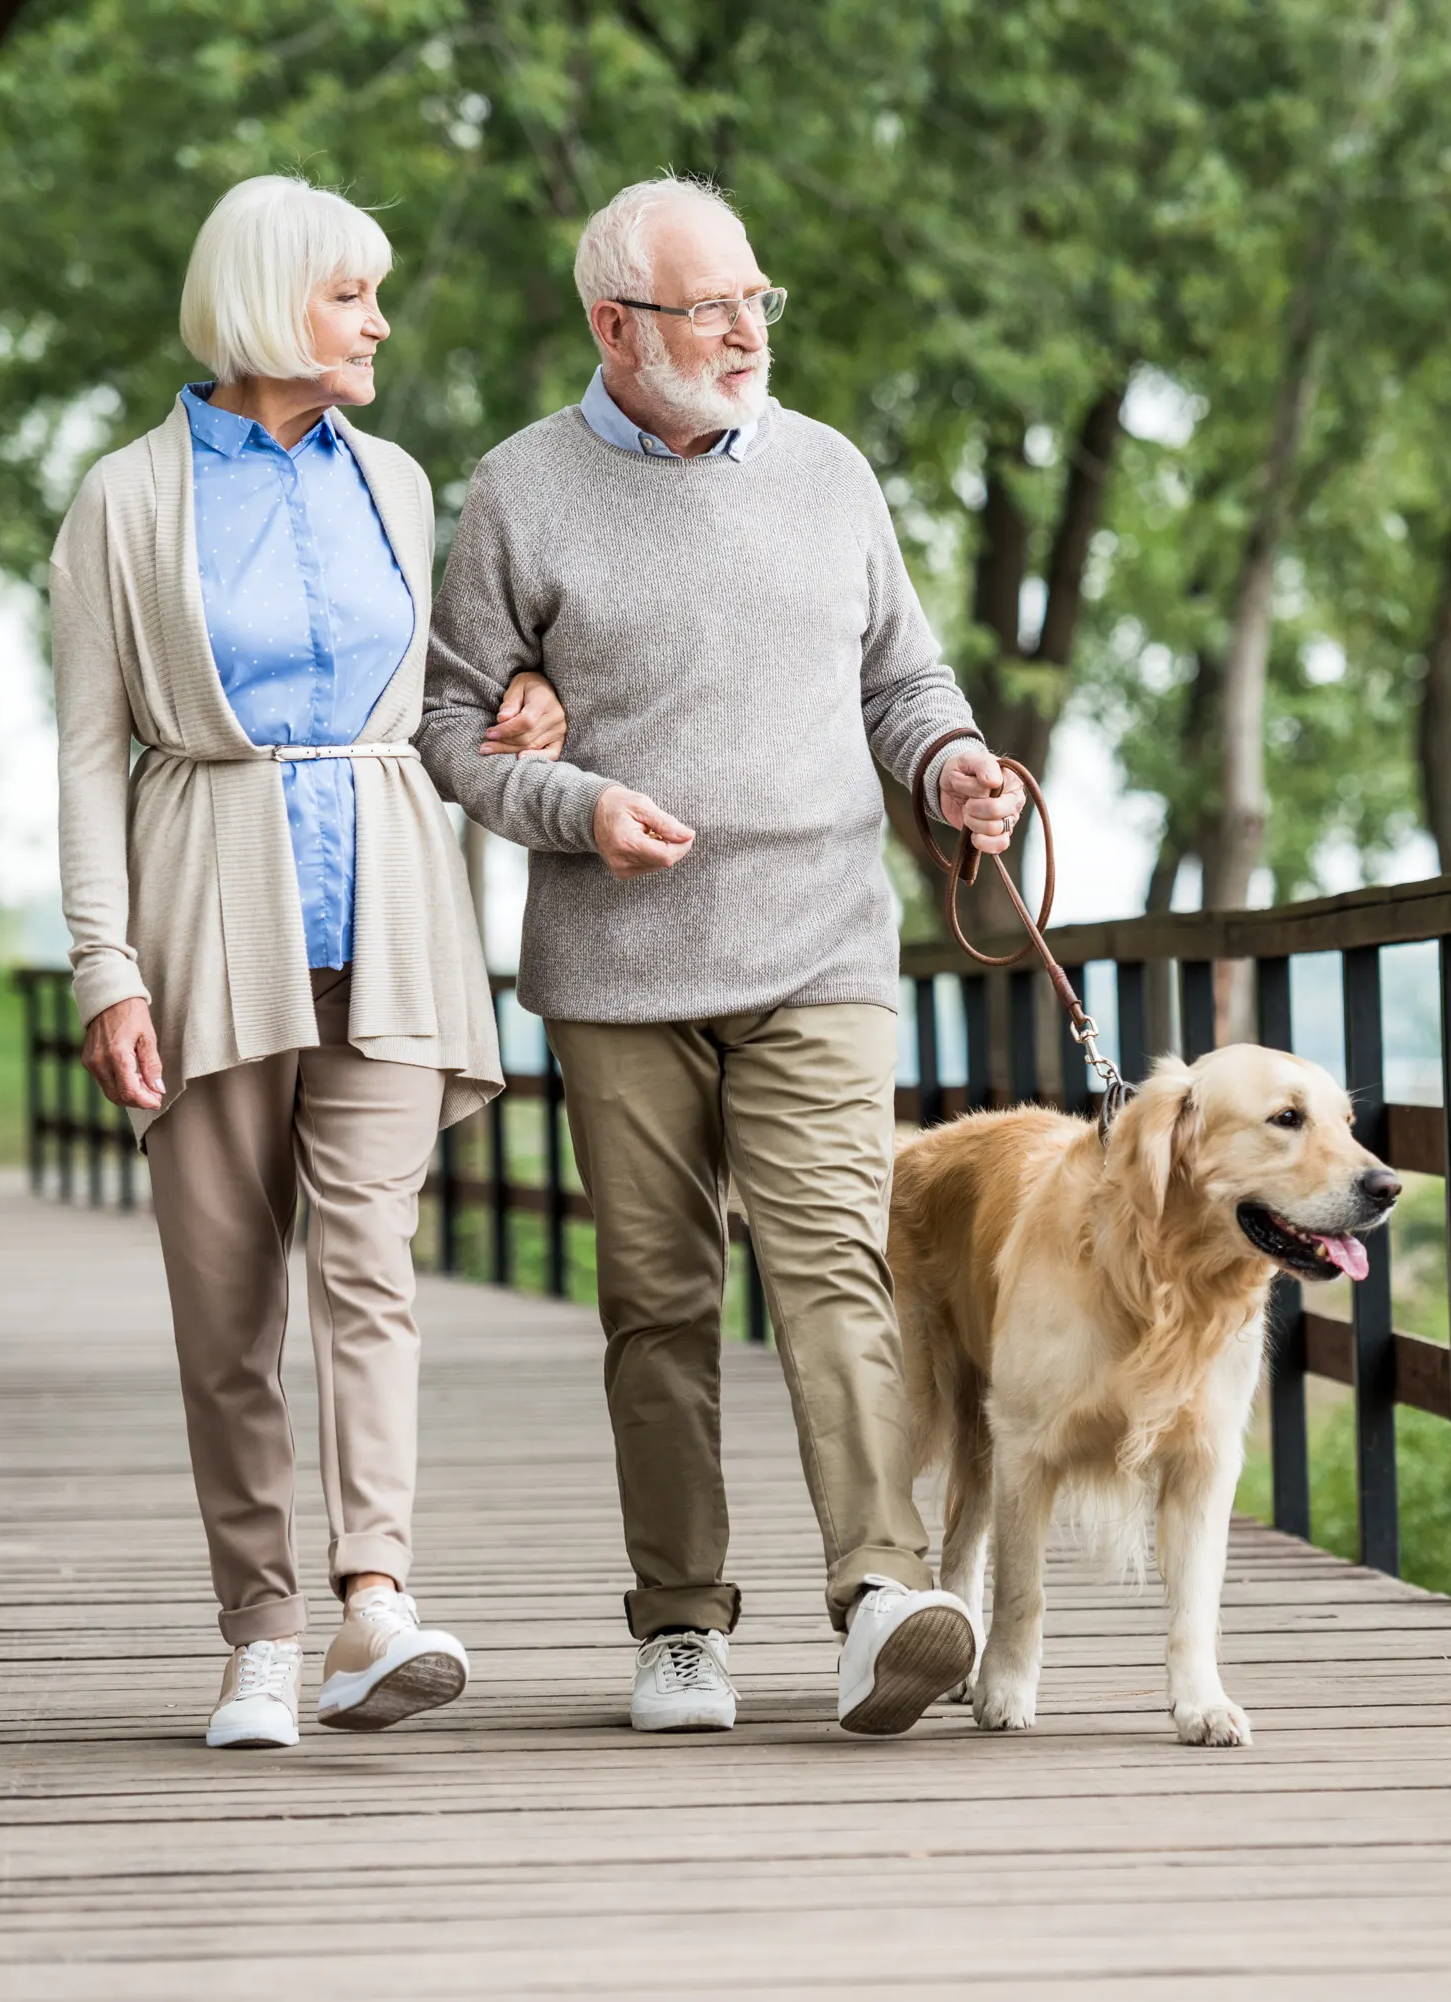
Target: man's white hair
{"x": 614, "y": 260}
{"x": 258, "y": 258}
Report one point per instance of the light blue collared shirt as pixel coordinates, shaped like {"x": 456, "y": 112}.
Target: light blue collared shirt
{"x": 309, "y": 616}
{"x": 606, "y": 419}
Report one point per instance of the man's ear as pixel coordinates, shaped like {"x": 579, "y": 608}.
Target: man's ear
{"x": 1154, "y": 1136}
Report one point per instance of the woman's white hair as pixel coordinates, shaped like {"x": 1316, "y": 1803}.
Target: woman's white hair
{"x": 258, "y": 258}
{"x": 613, "y": 260}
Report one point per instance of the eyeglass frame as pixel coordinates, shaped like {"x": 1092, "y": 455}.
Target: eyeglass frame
{"x": 689, "y": 312}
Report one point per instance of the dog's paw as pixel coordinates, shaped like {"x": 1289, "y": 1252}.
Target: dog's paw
{"x": 1004, "y": 1706}
{"x": 1216, "y": 1724}
{"x": 961, "y": 1693}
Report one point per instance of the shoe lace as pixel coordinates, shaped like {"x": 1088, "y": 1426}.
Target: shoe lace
{"x": 391, "y": 1612}
{"x": 265, "y": 1669}
{"x": 685, "y": 1661}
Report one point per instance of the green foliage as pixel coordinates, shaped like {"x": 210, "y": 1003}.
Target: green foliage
{"x": 988, "y": 217}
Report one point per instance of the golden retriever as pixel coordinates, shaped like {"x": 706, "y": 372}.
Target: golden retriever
{"x": 1090, "y": 1319}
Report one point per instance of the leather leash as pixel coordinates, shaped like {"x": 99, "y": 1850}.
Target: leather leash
{"x": 962, "y": 868}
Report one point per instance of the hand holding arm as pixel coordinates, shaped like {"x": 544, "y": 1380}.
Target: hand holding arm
{"x": 531, "y": 721}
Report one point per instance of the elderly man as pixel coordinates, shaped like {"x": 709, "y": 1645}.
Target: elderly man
{"x": 713, "y": 585}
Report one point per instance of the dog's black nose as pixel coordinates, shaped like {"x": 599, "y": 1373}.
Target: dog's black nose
{"x": 1381, "y": 1186}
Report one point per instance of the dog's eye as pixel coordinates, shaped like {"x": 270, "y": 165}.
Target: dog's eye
{"x": 1291, "y": 1118}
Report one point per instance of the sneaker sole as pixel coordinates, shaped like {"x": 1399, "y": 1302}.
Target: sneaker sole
{"x": 257, "y": 1744}
{"x": 696, "y": 1724}
{"x": 426, "y": 1682}
{"x": 930, "y": 1653}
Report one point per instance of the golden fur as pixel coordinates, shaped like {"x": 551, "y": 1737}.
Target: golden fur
{"x": 1090, "y": 1322}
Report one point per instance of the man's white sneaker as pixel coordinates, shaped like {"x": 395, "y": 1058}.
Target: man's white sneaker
{"x": 902, "y": 1651}
{"x": 258, "y": 1703}
{"x": 682, "y": 1683}
{"x": 383, "y": 1666}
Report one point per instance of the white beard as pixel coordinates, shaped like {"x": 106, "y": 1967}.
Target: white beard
{"x": 697, "y": 399}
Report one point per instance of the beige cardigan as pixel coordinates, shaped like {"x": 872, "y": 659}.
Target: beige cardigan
{"x": 178, "y": 878}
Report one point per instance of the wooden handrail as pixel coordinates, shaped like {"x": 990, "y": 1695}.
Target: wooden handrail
{"x": 1403, "y": 914}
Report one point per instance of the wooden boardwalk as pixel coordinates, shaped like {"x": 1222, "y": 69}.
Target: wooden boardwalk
{"x": 525, "y": 1843}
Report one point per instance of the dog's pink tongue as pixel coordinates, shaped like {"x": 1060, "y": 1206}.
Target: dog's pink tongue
{"x": 1349, "y": 1254}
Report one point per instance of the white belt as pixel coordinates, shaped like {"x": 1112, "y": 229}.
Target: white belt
{"x": 297, "y": 753}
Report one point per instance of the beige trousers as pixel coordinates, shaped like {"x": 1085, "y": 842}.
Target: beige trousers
{"x": 797, "y": 1104}
{"x": 226, "y": 1164}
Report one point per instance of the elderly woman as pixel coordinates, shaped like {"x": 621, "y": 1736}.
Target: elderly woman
{"x": 275, "y": 951}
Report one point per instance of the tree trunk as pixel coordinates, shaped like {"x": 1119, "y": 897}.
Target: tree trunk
{"x": 1433, "y": 732}
{"x": 1238, "y": 827}
{"x": 1017, "y": 724}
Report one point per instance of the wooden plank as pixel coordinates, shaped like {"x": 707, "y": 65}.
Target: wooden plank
{"x": 523, "y": 1843}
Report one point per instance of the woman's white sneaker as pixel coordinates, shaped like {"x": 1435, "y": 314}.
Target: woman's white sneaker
{"x": 258, "y": 1703}
{"x": 682, "y": 1683}
{"x": 902, "y": 1651}
{"x": 383, "y": 1666}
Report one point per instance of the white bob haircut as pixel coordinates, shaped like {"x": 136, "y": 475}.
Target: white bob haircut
{"x": 613, "y": 260}
{"x": 258, "y": 258}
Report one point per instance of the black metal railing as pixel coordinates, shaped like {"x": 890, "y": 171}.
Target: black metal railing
{"x": 1162, "y": 979}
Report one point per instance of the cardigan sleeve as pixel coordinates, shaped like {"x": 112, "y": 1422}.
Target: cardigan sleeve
{"x": 95, "y": 727}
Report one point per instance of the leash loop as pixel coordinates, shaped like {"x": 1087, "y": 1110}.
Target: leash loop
{"x": 961, "y": 870}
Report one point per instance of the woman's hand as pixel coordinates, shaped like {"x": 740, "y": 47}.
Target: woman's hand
{"x": 121, "y": 1055}
{"x": 531, "y": 721}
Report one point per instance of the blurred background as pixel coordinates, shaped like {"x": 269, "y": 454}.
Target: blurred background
{"x": 1139, "y": 309}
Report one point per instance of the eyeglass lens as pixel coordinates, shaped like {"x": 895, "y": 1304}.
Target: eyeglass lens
{"x": 716, "y": 316}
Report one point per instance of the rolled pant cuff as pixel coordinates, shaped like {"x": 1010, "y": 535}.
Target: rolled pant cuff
{"x": 650, "y": 1607}
{"x": 367, "y": 1552}
{"x": 268, "y": 1621}
{"x": 847, "y": 1576}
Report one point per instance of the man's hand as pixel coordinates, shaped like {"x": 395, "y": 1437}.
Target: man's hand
{"x": 976, "y": 793}
{"x": 120, "y": 1054}
{"x": 531, "y": 722}
{"x": 635, "y": 837}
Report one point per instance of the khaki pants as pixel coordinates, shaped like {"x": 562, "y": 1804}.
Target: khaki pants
{"x": 226, "y": 1164}
{"x": 796, "y": 1103}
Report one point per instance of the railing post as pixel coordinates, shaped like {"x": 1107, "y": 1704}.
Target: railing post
{"x": 35, "y": 1144}
{"x": 96, "y": 1138}
{"x": 1289, "y": 1444}
{"x": 1133, "y": 1037}
{"x": 929, "y": 1083}
{"x": 448, "y": 1199}
{"x": 60, "y": 1036}
{"x": 758, "y": 1320}
{"x": 1022, "y": 1035}
{"x": 979, "y": 1048}
{"x": 1076, "y": 1094}
{"x": 554, "y": 1176}
{"x": 501, "y": 1266}
{"x": 1197, "y": 1007}
{"x": 125, "y": 1157}
{"x": 1375, "y": 1376}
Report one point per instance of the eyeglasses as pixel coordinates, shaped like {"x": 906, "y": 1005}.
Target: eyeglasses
{"x": 718, "y": 316}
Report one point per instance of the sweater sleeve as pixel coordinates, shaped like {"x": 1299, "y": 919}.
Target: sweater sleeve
{"x": 909, "y": 694}
{"x": 93, "y": 716}
{"x": 487, "y": 618}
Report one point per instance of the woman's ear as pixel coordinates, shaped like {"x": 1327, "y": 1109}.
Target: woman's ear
{"x": 1154, "y": 1136}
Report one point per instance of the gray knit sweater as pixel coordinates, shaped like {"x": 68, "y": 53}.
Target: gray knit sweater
{"x": 737, "y": 640}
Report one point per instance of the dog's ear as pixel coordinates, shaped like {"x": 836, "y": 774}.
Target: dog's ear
{"x": 1154, "y": 1136}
